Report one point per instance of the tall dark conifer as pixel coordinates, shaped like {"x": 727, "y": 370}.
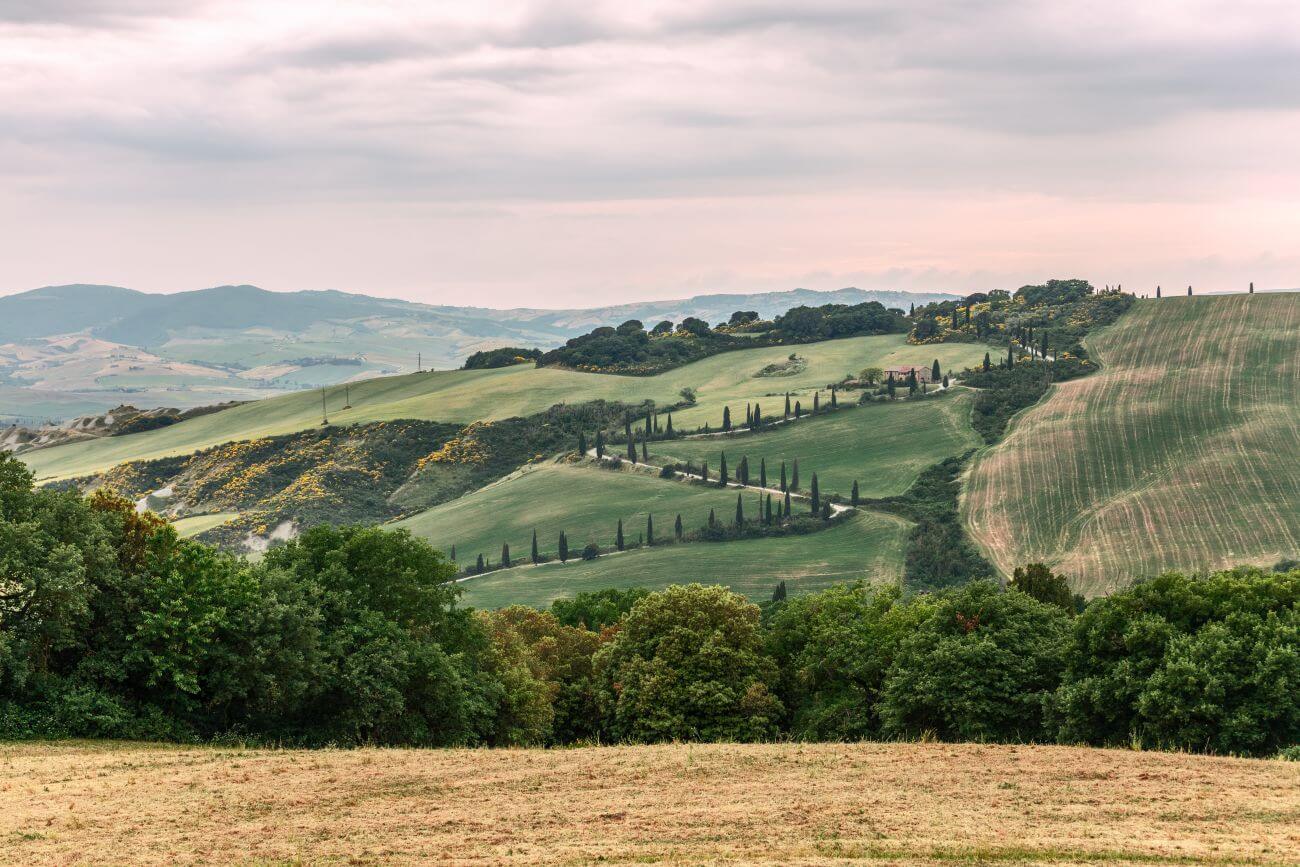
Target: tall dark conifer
{"x": 564, "y": 547}
{"x": 817, "y": 401}
{"x": 794, "y": 475}
{"x": 582, "y": 444}
{"x": 935, "y": 373}
{"x": 986, "y": 363}
{"x": 677, "y": 528}
{"x": 631, "y": 449}
{"x": 742, "y": 470}
{"x": 505, "y": 555}
{"x": 784, "y": 486}
{"x": 535, "y": 554}
{"x": 740, "y": 512}
{"x": 726, "y": 418}
{"x": 668, "y": 427}
{"x": 787, "y": 405}
{"x": 787, "y": 504}
{"x": 758, "y": 417}
{"x": 768, "y": 511}
{"x": 722, "y": 471}
{"x": 478, "y": 566}
{"x": 618, "y": 535}
{"x": 600, "y": 445}
{"x": 815, "y": 496}
{"x": 762, "y": 472}
{"x": 853, "y": 497}
{"x": 649, "y": 529}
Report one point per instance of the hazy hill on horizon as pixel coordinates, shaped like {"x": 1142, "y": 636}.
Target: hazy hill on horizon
{"x": 84, "y": 348}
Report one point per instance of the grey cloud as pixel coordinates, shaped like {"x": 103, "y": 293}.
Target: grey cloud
{"x": 91, "y": 13}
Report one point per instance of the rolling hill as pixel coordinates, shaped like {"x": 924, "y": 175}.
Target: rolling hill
{"x": 470, "y": 395}
{"x": 97, "y": 346}
{"x": 1181, "y": 453}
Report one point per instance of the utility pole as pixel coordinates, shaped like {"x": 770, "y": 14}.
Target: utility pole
{"x": 419, "y": 362}
{"x": 324, "y": 416}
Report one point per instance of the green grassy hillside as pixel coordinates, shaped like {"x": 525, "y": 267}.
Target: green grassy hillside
{"x": 868, "y": 546}
{"x": 583, "y": 501}
{"x": 881, "y": 445}
{"x": 464, "y": 396}
{"x": 1182, "y": 452}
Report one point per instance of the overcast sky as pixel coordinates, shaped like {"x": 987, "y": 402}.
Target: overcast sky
{"x": 574, "y": 153}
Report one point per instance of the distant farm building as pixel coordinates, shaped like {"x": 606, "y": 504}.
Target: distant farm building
{"x": 900, "y": 374}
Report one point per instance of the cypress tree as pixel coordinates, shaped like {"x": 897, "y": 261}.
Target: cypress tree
{"x": 740, "y": 512}
{"x": 722, "y": 471}
{"x": 726, "y": 418}
{"x": 762, "y": 472}
{"x": 564, "y": 547}
{"x": 911, "y": 381}
{"x": 453, "y": 553}
{"x": 787, "y": 505}
{"x": 1252, "y": 287}
{"x": 505, "y": 555}
{"x": 817, "y": 401}
{"x": 889, "y": 387}
{"x": 816, "y": 496}
{"x": 536, "y": 555}
{"x": 1189, "y": 291}
{"x": 798, "y": 410}
{"x": 834, "y": 401}
{"x": 935, "y": 373}
{"x": 649, "y": 529}
{"x": 618, "y": 535}
{"x": 478, "y": 567}
{"x": 826, "y": 510}
{"x": 911, "y": 311}
{"x": 742, "y": 471}
{"x": 787, "y": 405}
{"x": 656, "y": 422}
{"x": 778, "y": 595}
{"x": 853, "y": 497}
{"x": 677, "y": 527}
{"x": 768, "y": 516}
{"x": 627, "y": 429}
{"x": 713, "y": 520}
{"x": 794, "y": 475}
{"x": 582, "y": 443}
{"x": 784, "y": 487}
{"x": 945, "y": 380}
{"x": 645, "y": 452}
{"x": 749, "y": 416}
{"x": 757, "y": 420}
{"x": 1011, "y": 355}
{"x": 1157, "y": 291}
{"x": 668, "y": 428}
{"x": 600, "y": 445}
{"x": 649, "y": 427}
{"x": 986, "y": 362}
{"x": 631, "y": 449}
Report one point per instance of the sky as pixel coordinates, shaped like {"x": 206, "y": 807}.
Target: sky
{"x": 580, "y": 153}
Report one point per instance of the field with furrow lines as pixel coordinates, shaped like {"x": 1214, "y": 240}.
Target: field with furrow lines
{"x": 1182, "y": 452}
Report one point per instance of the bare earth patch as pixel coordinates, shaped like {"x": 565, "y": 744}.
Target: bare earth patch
{"x": 765, "y": 804}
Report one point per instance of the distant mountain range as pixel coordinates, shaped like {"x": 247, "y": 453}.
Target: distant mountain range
{"x": 79, "y": 349}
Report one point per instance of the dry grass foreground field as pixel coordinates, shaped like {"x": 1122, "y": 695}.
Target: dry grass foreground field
{"x": 1183, "y": 452}
{"x": 768, "y": 804}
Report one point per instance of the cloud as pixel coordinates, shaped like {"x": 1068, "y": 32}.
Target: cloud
{"x": 249, "y": 106}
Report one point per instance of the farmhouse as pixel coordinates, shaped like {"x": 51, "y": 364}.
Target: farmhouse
{"x": 901, "y": 372}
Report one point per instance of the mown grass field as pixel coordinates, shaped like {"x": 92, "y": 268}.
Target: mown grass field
{"x": 583, "y": 501}
{"x": 464, "y": 396}
{"x": 867, "y": 546}
{"x": 197, "y": 524}
{"x": 912, "y": 804}
{"x": 881, "y": 446}
{"x": 1183, "y": 452}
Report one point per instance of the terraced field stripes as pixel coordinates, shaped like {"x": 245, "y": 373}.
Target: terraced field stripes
{"x": 1183, "y": 452}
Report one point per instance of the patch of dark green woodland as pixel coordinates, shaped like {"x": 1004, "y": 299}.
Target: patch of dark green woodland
{"x": 939, "y": 553}
{"x": 632, "y": 350}
{"x": 1006, "y": 390}
{"x": 1049, "y": 319}
{"x": 504, "y": 356}
{"x": 112, "y": 627}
